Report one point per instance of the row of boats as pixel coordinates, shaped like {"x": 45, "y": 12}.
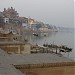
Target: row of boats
{"x": 62, "y": 48}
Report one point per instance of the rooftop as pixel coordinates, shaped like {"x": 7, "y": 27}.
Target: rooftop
{"x": 40, "y": 58}
{"x": 6, "y": 67}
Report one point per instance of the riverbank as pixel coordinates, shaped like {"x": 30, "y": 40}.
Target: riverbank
{"x": 33, "y": 64}
{"x": 66, "y": 70}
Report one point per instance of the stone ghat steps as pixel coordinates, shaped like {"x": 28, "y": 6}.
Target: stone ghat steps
{"x": 44, "y": 65}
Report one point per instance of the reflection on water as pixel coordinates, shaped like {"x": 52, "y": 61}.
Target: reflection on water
{"x": 60, "y": 38}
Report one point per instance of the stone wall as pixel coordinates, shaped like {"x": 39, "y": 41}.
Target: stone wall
{"x": 67, "y": 68}
{"x": 16, "y": 48}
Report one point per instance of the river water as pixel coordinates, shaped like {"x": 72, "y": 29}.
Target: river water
{"x": 59, "y": 38}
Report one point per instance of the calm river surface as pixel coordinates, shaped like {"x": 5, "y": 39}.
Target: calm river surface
{"x": 60, "y": 38}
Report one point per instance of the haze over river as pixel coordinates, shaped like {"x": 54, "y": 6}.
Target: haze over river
{"x": 58, "y": 38}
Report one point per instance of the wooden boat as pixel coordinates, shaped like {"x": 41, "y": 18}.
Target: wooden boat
{"x": 35, "y": 34}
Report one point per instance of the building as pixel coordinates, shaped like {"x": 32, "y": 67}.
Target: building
{"x": 13, "y": 47}
{"x": 1, "y": 22}
{"x": 22, "y": 20}
{"x": 6, "y": 20}
{"x": 1, "y": 14}
{"x": 10, "y": 13}
{"x": 30, "y": 22}
{"x": 43, "y": 29}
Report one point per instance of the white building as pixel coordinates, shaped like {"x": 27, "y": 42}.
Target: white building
{"x": 43, "y": 29}
{"x": 6, "y": 20}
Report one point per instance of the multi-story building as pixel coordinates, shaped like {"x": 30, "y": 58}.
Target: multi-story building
{"x": 1, "y": 20}
{"x": 30, "y": 22}
{"x": 10, "y": 13}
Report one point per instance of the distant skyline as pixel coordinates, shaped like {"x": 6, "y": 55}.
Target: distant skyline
{"x": 55, "y": 12}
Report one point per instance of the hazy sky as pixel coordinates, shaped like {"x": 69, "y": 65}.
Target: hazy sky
{"x": 56, "y": 12}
